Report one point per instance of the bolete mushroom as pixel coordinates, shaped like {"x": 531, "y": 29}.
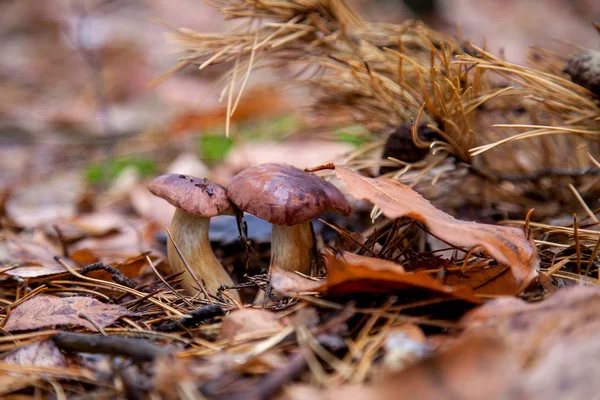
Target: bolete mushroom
{"x": 288, "y": 198}
{"x": 197, "y": 200}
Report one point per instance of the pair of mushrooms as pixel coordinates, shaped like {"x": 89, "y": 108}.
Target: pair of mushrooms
{"x": 283, "y": 195}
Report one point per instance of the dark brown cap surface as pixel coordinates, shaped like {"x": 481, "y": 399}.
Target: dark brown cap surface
{"x": 284, "y": 195}
{"x": 194, "y": 195}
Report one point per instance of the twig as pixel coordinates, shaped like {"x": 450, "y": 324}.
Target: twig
{"x": 320, "y": 167}
{"x": 195, "y": 317}
{"x": 577, "y": 244}
{"x": 116, "y": 275}
{"x": 94, "y": 324}
{"x": 136, "y": 349}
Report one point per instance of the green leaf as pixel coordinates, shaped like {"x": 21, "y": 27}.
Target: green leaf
{"x": 96, "y": 172}
{"x": 214, "y": 148}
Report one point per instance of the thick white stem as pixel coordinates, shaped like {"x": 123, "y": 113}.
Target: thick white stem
{"x": 292, "y": 247}
{"x": 190, "y": 233}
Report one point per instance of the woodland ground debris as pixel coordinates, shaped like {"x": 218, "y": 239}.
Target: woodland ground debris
{"x": 495, "y": 138}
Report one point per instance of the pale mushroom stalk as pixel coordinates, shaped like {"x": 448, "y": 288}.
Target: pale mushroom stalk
{"x": 190, "y": 233}
{"x": 291, "y": 247}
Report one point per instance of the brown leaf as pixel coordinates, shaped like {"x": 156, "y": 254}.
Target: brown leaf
{"x": 569, "y": 313}
{"x": 33, "y": 257}
{"x": 248, "y": 321}
{"x": 557, "y": 374}
{"x": 475, "y": 368}
{"x": 404, "y": 345}
{"x": 48, "y": 311}
{"x": 289, "y": 283}
{"x": 350, "y": 273}
{"x": 557, "y": 336}
{"x": 40, "y": 354}
{"x": 506, "y": 244}
{"x": 486, "y": 280}
{"x": 261, "y": 103}
{"x": 46, "y": 201}
{"x": 113, "y": 248}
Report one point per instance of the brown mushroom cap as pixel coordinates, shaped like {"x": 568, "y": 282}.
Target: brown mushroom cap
{"x": 194, "y": 195}
{"x": 284, "y": 195}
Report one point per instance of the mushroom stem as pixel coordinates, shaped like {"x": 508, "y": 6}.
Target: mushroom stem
{"x": 190, "y": 233}
{"x": 291, "y": 247}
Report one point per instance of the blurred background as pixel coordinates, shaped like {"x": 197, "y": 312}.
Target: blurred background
{"x": 74, "y": 94}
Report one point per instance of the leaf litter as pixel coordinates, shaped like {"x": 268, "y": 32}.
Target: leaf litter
{"x": 48, "y": 311}
{"x": 88, "y": 303}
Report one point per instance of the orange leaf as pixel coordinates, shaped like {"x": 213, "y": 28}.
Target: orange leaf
{"x": 507, "y": 245}
{"x": 351, "y": 273}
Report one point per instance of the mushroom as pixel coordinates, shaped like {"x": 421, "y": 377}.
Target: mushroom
{"x": 196, "y": 201}
{"x": 288, "y": 198}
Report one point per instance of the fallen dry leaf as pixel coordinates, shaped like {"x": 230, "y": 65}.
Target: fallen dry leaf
{"x": 48, "y": 311}
{"x": 557, "y": 338}
{"x": 259, "y": 103}
{"x": 33, "y": 257}
{"x": 474, "y": 368}
{"x": 248, "y": 321}
{"x": 568, "y": 370}
{"x": 404, "y": 345}
{"x": 350, "y": 273}
{"x": 129, "y": 242}
{"x": 570, "y": 313}
{"x": 494, "y": 280}
{"x": 289, "y": 283}
{"x": 40, "y": 354}
{"x": 47, "y": 201}
{"x": 506, "y": 244}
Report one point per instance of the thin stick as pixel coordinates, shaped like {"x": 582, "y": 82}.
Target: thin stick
{"x": 113, "y": 285}
{"x": 175, "y": 292}
{"x": 245, "y": 81}
{"x": 592, "y": 257}
{"x": 136, "y": 349}
{"x": 230, "y": 96}
{"x": 583, "y": 204}
{"x": 577, "y": 244}
{"x": 526, "y": 228}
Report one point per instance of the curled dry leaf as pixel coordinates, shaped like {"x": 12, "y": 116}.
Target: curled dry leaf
{"x": 506, "y": 244}
{"x": 289, "y": 283}
{"x": 350, "y": 273}
{"x": 47, "y": 311}
{"x": 248, "y": 321}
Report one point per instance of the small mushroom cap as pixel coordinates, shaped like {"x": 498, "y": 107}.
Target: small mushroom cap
{"x": 284, "y": 195}
{"x": 196, "y": 196}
